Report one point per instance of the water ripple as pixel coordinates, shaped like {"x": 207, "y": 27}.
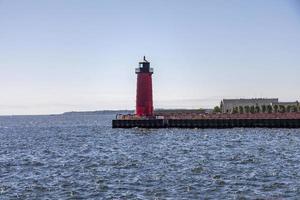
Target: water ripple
{"x": 81, "y": 157}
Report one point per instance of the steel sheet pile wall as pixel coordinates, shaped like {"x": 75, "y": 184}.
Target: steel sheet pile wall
{"x": 208, "y": 123}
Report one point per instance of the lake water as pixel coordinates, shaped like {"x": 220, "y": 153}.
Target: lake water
{"x": 80, "y": 156}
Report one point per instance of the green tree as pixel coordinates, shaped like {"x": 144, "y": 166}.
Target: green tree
{"x": 269, "y": 109}
{"x": 252, "y": 109}
{"x": 235, "y": 110}
{"x": 241, "y": 109}
{"x": 217, "y": 109}
{"x": 264, "y": 108}
{"x": 257, "y": 109}
{"x": 247, "y": 109}
{"x": 294, "y": 108}
{"x": 275, "y": 108}
{"x": 282, "y": 109}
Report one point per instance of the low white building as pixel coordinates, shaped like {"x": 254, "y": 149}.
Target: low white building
{"x": 227, "y": 105}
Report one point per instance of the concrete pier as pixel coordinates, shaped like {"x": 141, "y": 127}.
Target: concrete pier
{"x": 207, "y": 123}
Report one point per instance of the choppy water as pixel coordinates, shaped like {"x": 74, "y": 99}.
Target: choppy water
{"x": 81, "y": 157}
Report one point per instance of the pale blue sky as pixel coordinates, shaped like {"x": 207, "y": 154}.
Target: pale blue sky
{"x": 63, "y": 55}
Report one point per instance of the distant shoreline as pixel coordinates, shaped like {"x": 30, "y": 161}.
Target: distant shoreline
{"x": 160, "y": 110}
{"x": 75, "y": 113}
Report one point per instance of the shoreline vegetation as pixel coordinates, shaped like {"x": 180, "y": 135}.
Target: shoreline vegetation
{"x": 261, "y": 109}
{"x": 265, "y": 109}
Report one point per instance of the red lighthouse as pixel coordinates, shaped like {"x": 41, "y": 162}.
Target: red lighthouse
{"x": 144, "y": 99}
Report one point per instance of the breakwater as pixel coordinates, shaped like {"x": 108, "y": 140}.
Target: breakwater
{"x": 207, "y": 123}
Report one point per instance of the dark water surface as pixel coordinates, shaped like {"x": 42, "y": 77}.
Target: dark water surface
{"x": 81, "y": 157}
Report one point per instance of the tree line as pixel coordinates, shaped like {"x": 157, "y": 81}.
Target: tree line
{"x": 261, "y": 109}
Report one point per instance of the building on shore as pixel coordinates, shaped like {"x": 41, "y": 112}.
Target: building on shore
{"x": 227, "y": 105}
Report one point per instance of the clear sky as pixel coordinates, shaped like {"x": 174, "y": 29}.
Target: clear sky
{"x": 64, "y": 55}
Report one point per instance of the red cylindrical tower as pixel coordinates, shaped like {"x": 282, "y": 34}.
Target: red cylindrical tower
{"x": 144, "y": 99}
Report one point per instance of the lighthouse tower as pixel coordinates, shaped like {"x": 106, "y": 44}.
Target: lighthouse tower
{"x": 144, "y": 99}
